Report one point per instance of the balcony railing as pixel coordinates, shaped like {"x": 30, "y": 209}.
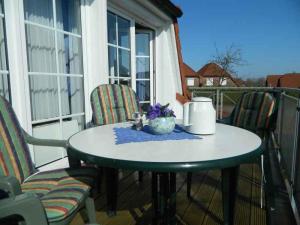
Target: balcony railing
{"x": 285, "y": 138}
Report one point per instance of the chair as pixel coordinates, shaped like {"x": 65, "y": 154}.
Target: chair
{"x": 52, "y": 197}
{"x": 113, "y": 103}
{"x": 255, "y": 112}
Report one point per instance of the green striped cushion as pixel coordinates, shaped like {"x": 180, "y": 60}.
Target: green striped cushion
{"x": 254, "y": 110}
{"x": 14, "y": 154}
{"x": 61, "y": 191}
{"x": 113, "y": 103}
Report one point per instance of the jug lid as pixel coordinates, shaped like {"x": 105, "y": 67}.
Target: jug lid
{"x": 201, "y": 99}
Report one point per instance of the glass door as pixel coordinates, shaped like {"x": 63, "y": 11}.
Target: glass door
{"x": 144, "y": 67}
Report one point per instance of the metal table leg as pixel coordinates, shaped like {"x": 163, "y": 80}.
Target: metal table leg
{"x": 229, "y": 188}
{"x": 164, "y": 198}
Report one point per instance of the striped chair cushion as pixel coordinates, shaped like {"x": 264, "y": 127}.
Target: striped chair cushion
{"x": 61, "y": 191}
{"x": 113, "y": 103}
{"x": 14, "y": 154}
{"x": 254, "y": 110}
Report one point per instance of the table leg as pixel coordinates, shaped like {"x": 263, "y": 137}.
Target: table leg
{"x": 155, "y": 197}
{"x": 164, "y": 198}
{"x": 112, "y": 183}
{"x": 172, "y": 198}
{"x": 229, "y": 188}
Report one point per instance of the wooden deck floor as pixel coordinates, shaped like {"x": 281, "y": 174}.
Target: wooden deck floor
{"x": 134, "y": 200}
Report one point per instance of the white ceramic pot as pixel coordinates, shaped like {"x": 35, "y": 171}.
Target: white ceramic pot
{"x": 199, "y": 116}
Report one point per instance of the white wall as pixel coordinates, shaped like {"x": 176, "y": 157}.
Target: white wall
{"x": 168, "y": 81}
{"x": 94, "y": 21}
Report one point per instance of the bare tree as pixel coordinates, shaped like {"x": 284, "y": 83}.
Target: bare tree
{"x": 228, "y": 60}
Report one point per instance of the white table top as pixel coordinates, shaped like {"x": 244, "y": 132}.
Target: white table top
{"x": 228, "y": 142}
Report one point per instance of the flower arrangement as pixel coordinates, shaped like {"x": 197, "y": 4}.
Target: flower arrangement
{"x": 161, "y": 119}
{"x": 158, "y": 110}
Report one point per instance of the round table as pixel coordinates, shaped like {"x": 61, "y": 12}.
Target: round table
{"x": 228, "y": 148}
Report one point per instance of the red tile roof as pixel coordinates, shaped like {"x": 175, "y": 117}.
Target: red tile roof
{"x": 188, "y": 71}
{"x": 272, "y": 80}
{"x": 212, "y": 70}
{"x": 291, "y": 80}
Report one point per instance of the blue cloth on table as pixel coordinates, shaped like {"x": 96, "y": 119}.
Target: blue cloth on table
{"x": 127, "y": 135}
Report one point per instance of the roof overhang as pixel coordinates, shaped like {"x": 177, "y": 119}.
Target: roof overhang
{"x": 168, "y": 7}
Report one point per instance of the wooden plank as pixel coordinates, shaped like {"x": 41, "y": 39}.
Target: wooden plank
{"x": 134, "y": 200}
{"x": 258, "y": 215}
{"x": 196, "y": 212}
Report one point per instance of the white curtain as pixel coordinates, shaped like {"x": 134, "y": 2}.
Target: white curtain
{"x": 70, "y": 56}
{"x": 42, "y": 58}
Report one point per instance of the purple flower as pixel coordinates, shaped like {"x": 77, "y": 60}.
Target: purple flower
{"x": 159, "y": 111}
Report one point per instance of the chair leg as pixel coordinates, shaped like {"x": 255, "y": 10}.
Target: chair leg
{"x": 90, "y": 208}
{"x": 189, "y": 184}
{"x": 141, "y": 176}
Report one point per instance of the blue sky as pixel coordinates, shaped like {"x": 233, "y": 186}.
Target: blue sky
{"x": 266, "y": 31}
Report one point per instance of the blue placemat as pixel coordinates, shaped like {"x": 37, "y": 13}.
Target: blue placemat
{"x": 127, "y": 135}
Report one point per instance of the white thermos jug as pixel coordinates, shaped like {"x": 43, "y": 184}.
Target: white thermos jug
{"x": 199, "y": 116}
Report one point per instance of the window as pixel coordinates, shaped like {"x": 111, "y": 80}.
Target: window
{"x": 143, "y": 67}
{"x": 54, "y": 55}
{"x": 190, "y": 82}
{"x": 209, "y": 81}
{"x": 119, "y": 50}
{"x": 4, "y": 71}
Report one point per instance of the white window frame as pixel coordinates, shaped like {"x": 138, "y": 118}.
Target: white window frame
{"x": 151, "y": 57}
{"x": 58, "y": 75}
{"x": 18, "y": 67}
{"x": 133, "y": 20}
{"x": 131, "y": 49}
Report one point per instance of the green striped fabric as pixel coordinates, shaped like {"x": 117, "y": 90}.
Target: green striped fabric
{"x": 113, "y": 103}
{"x": 254, "y": 111}
{"x": 14, "y": 154}
{"x": 61, "y": 191}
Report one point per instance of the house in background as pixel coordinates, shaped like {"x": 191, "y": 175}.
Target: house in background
{"x": 191, "y": 77}
{"x": 53, "y": 53}
{"x": 214, "y": 75}
{"x": 290, "y": 80}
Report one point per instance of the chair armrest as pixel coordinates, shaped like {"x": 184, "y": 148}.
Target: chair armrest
{"x": 44, "y": 142}
{"x": 26, "y": 205}
{"x": 10, "y": 185}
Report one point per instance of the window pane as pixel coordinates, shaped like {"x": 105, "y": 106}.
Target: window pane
{"x": 111, "y": 28}
{"x": 4, "y": 86}
{"x": 69, "y": 54}
{"x": 142, "y": 44}
{"x": 112, "y": 61}
{"x": 123, "y": 32}
{"x": 142, "y": 68}
{"x": 68, "y": 15}
{"x": 40, "y": 49}
{"x": 143, "y": 90}
{"x": 71, "y": 92}
{"x": 39, "y": 11}
{"x": 44, "y": 97}
{"x": 3, "y": 63}
{"x": 124, "y": 63}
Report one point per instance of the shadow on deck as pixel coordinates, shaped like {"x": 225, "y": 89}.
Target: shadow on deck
{"x": 134, "y": 200}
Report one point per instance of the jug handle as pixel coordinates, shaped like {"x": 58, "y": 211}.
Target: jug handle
{"x": 186, "y": 114}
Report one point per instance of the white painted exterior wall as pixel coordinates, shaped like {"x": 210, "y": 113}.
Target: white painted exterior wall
{"x": 167, "y": 81}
